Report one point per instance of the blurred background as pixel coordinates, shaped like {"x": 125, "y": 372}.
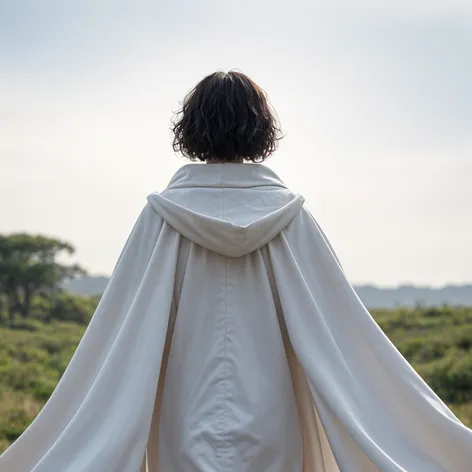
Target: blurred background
{"x": 374, "y": 98}
{"x": 376, "y": 104}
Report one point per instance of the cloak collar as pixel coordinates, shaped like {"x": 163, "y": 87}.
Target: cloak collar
{"x": 229, "y": 175}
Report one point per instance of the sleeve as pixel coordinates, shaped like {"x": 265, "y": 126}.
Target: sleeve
{"x": 98, "y": 417}
{"x": 378, "y": 413}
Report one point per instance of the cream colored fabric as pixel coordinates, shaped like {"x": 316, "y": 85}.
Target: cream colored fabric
{"x": 229, "y": 340}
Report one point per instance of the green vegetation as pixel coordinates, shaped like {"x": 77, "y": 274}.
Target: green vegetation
{"x": 40, "y": 327}
{"x": 34, "y": 354}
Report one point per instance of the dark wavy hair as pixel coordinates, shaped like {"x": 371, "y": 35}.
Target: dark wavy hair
{"x": 226, "y": 117}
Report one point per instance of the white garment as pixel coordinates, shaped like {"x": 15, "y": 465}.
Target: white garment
{"x": 229, "y": 340}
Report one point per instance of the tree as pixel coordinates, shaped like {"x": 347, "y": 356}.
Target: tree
{"x": 29, "y": 267}
{"x": 73, "y": 308}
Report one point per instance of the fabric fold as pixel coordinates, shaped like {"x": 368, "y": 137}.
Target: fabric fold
{"x": 99, "y": 415}
{"x": 377, "y": 411}
{"x": 229, "y": 339}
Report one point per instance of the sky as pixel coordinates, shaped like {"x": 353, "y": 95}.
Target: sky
{"x": 374, "y": 99}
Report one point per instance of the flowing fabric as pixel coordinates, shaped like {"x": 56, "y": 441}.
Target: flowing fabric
{"x": 230, "y": 340}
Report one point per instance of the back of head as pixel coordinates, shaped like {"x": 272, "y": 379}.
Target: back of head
{"x": 226, "y": 117}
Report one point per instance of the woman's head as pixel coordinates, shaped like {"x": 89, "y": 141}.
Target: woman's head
{"x": 226, "y": 118}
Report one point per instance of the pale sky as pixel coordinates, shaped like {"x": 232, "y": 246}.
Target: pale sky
{"x": 374, "y": 97}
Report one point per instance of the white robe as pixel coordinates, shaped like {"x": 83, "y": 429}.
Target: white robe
{"x": 229, "y": 340}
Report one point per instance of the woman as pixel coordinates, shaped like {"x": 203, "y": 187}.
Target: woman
{"x": 229, "y": 338}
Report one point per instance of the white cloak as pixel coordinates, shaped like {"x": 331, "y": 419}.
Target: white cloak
{"x": 230, "y": 340}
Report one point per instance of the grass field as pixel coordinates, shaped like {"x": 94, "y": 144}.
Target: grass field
{"x": 34, "y": 354}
